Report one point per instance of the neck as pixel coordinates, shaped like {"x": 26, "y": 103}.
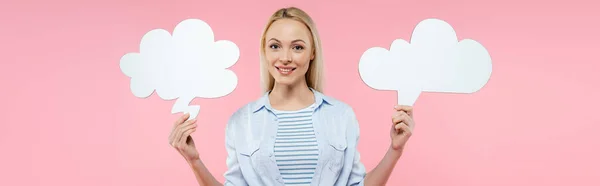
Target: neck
{"x": 291, "y": 97}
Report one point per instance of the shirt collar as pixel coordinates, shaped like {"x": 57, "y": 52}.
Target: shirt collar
{"x": 263, "y": 101}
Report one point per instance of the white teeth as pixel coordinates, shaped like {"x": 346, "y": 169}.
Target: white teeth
{"x": 285, "y": 69}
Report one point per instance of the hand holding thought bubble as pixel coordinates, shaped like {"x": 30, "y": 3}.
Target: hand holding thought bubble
{"x": 185, "y": 65}
{"x": 434, "y": 61}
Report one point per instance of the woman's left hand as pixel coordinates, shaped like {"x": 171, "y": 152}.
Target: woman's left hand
{"x": 402, "y": 126}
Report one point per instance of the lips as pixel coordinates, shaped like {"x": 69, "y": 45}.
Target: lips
{"x": 285, "y": 70}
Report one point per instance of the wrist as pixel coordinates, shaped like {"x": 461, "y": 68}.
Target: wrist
{"x": 396, "y": 153}
{"x": 194, "y": 162}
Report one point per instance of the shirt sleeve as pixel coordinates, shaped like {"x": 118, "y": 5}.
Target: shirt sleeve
{"x": 358, "y": 172}
{"x": 233, "y": 175}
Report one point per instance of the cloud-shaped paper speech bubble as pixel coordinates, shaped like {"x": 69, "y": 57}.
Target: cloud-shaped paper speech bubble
{"x": 183, "y": 66}
{"x": 434, "y": 61}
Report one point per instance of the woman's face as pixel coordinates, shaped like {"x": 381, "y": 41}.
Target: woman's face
{"x": 288, "y": 51}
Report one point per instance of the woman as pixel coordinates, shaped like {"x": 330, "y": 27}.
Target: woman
{"x": 293, "y": 134}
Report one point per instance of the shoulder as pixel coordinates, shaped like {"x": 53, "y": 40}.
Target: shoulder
{"x": 242, "y": 113}
{"x": 341, "y": 110}
{"x": 344, "y": 115}
{"x": 339, "y": 107}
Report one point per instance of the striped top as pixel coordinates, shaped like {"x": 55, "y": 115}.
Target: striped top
{"x": 296, "y": 150}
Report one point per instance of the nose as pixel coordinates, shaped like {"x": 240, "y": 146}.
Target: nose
{"x": 285, "y": 56}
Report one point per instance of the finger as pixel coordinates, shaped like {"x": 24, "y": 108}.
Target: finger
{"x": 405, "y": 130}
{"x": 185, "y": 134}
{"x": 184, "y": 137}
{"x": 408, "y": 120}
{"x": 399, "y": 125}
{"x": 411, "y": 123}
{"x": 177, "y": 122}
{"x": 402, "y": 113}
{"x": 182, "y": 119}
{"x": 184, "y": 130}
{"x": 397, "y": 112}
{"x": 399, "y": 118}
{"x": 176, "y": 135}
{"x": 172, "y": 134}
{"x": 406, "y": 108}
{"x": 179, "y": 130}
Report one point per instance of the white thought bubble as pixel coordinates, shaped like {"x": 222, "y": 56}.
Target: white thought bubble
{"x": 433, "y": 61}
{"x": 185, "y": 65}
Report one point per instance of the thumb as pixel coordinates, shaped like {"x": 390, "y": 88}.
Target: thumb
{"x": 183, "y": 118}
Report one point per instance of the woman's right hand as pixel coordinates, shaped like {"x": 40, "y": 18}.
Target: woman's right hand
{"x": 181, "y": 140}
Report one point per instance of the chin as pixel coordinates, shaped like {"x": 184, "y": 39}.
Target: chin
{"x": 285, "y": 80}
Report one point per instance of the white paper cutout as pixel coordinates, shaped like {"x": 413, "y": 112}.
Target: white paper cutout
{"x": 182, "y": 66}
{"x": 434, "y": 61}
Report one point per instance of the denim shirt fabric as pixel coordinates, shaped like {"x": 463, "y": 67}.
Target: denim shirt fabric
{"x": 250, "y": 138}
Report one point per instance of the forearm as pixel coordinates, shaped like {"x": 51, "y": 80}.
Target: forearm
{"x": 381, "y": 173}
{"x": 203, "y": 176}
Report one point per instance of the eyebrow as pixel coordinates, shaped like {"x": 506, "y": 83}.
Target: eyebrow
{"x": 292, "y": 41}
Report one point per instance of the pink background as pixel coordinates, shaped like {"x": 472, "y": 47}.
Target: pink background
{"x": 69, "y": 118}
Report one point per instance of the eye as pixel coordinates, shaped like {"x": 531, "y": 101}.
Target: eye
{"x": 298, "y": 47}
{"x": 274, "y": 46}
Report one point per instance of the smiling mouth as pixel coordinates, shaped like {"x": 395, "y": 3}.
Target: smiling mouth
{"x": 285, "y": 70}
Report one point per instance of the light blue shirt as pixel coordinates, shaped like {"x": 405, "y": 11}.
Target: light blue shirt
{"x": 250, "y": 139}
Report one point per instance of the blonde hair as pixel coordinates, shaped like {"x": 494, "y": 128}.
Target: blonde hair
{"x": 314, "y": 75}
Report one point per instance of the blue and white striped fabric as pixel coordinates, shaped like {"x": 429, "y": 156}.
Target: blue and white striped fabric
{"x": 296, "y": 151}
